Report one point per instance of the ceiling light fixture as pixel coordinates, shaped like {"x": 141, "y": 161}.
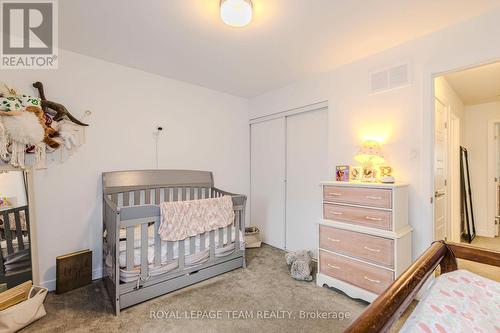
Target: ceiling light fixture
{"x": 236, "y": 13}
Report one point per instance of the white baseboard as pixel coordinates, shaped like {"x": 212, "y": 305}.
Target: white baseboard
{"x": 51, "y": 284}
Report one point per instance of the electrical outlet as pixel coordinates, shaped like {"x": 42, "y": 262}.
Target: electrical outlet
{"x": 159, "y": 129}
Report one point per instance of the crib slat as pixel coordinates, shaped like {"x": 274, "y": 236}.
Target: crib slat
{"x": 202, "y": 241}
{"x": 176, "y": 194}
{"x": 157, "y": 196}
{"x": 147, "y": 197}
{"x": 157, "y": 244}
{"x": 237, "y": 217}
{"x": 221, "y": 238}
{"x": 126, "y": 199}
{"x": 130, "y": 248}
{"x": 8, "y": 235}
{"x": 184, "y": 193}
{"x": 212, "y": 244}
{"x": 114, "y": 198}
{"x": 229, "y": 234}
{"x": 191, "y": 193}
{"x": 144, "y": 250}
{"x": 137, "y": 198}
{"x": 19, "y": 231}
{"x": 182, "y": 251}
{"x": 27, "y": 218}
{"x": 170, "y": 251}
{"x": 192, "y": 245}
{"x": 166, "y": 194}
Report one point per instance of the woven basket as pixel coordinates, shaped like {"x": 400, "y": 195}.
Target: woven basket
{"x": 253, "y": 238}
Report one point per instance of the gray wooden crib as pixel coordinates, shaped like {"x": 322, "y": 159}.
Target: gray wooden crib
{"x": 137, "y": 264}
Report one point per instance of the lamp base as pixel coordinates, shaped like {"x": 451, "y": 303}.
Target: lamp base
{"x": 387, "y": 179}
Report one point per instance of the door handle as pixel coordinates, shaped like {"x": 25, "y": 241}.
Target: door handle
{"x": 438, "y": 194}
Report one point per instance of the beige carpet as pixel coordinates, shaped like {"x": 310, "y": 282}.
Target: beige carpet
{"x": 264, "y": 285}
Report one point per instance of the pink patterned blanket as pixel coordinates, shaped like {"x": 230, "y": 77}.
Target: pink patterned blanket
{"x": 183, "y": 219}
{"x": 459, "y": 301}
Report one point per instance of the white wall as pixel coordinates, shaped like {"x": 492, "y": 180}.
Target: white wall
{"x": 404, "y": 116}
{"x": 476, "y": 142}
{"x": 12, "y": 185}
{"x": 204, "y": 130}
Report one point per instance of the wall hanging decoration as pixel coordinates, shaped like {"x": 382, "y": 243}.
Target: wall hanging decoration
{"x": 35, "y": 125}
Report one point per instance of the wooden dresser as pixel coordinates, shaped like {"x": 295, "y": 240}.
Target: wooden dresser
{"x": 364, "y": 240}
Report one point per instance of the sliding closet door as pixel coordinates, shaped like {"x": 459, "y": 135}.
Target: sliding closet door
{"x": 267, "y": 197}
{"x": 307, "y": 165}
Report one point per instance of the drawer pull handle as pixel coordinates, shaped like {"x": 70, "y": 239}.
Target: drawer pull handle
{"x": 373, "y": 218}
{"x": 373, "y": 197}
{"x": 372, "y": 250}
{"x": 336, "y": 213}
{"x": 334, "y": 194}
{"x": 333, "y": 266}
{"x": 371, "y": 280}
{"x": 333, "y": 240}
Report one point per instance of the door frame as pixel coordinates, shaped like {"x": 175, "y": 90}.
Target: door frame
{"x": 427, "y": 161}
{"x": 454, "y": 131}
{"x": 281, "y": 114}
{"x": 493, "y": 156}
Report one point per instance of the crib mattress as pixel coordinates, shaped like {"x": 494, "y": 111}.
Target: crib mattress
{"x": 197, "y": 257}
{"x": 151, "y": 252}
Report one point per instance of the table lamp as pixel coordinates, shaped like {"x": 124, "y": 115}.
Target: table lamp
{"x": 369, "y": 155}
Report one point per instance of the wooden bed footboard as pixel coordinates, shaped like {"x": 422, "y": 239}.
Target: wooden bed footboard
{"x": 390, "y": 305}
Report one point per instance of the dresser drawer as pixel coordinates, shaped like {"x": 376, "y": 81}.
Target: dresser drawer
{"x": 373, "y": 197}
{"x": 374, "y": 218}
{"x": 372, "y": 278}
{"x": 372, "y": 248}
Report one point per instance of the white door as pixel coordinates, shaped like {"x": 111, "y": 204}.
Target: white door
{"x": 267, "y": 188}
{"x": 306, "y": 166}
{"x": 440, "y": 169}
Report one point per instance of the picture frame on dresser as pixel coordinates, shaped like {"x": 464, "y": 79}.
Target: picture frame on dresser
{"x": 364, "y": 239}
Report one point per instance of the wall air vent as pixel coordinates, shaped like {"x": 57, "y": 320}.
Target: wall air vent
{"x": 389, "y": 78}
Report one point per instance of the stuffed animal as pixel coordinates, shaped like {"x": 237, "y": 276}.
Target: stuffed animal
{"x": 300, "y": 265}
{"x": 20, "y": 131}
{"x": 49, "y": 132}
{"x": 10, "y": 101}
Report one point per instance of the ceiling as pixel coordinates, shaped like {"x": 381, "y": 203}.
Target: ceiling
{"x": 477, "y": 85}
{"x": 288, "y": 40}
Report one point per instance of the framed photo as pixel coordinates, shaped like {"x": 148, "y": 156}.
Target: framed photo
{"x": 369, "y": 175}
{"x": 356, "y": 173}
{"x": 342, "y": 173}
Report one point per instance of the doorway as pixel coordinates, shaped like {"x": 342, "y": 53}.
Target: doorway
{"x": 289, "y": 158}
{"x": 467, "y": 119}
